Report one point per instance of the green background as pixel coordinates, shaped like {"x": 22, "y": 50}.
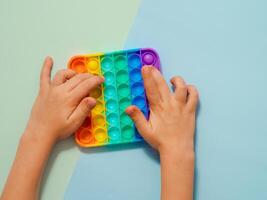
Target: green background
{"x": 31, "y": 30}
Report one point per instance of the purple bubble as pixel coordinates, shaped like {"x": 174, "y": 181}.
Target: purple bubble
{"x": 149, "y": 58}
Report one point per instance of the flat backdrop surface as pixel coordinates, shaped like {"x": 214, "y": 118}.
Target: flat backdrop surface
{"x": 220, "y": 46}
{"x": 31, "y": 30}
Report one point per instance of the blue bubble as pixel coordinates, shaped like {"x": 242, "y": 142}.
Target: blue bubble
{"x": 134, "y": 61}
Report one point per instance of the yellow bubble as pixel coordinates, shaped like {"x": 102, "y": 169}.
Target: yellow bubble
{"x": 93, "y": 64}
{"x": 99, "y": 107}
{"x": 100, "y": 134}
{"x": 99, "y": 120}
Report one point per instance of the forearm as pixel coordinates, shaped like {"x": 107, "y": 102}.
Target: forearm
{"x": 177, "y": 173}
{"x": 26, "y": 172}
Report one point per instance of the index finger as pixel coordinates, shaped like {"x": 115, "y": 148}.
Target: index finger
{"x": 156, "y": 88}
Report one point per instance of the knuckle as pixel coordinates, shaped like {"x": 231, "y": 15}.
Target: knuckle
{"x": 176, "y": 79}
{"x": 194, "y": 91}
{"x": 80, "y": 76}
{"x": 182, "y": 87}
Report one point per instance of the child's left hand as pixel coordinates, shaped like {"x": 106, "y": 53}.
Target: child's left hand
{"x": 62, "y": 103}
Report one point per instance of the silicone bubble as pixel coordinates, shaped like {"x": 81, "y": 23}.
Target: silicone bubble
{"x": 113, "y": 119}
{"x": 138, "y": 89}
{"x": 125, "y": 119}
{"x": 122, "y": 76}
{"x": 134, "y": 61}
{"x": 110, "y": 91}
{"x": 127, "y": 132}
{"x": 136, "y": 75}
{"x": 109, "y": 78}
{"x": 123, "y": 90}
{"x": 78, "y": 65}
{"x": 85, "y": 136}
{"x": 87, "y": 122}
{"x": 99, "y": 120}
{"x": 114, "y": 133}
{"x": 92, "y": 65}
{"x": 100, "y": 134}
{"x": 149, "y": 58}
{"x": 96, "y": 93}
{"x": 111, "y": 105}
{"x": 99, "y": 107}
{"x": 107, "y": 63}
{"x": 120, "y": 62}
{"x": 139, "y": 101}
{"x": 124, "y": 103}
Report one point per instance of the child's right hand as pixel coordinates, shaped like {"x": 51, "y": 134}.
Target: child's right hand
{"x": 171, "y": 126}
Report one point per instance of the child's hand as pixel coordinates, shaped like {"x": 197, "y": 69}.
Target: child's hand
{"x": 171, "y": 124}
{"x": 62, "y": 103}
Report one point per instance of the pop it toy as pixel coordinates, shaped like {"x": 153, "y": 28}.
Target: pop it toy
{"x": 108, "y": 123}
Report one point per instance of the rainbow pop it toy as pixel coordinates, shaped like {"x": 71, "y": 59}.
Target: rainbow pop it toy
{"x": 108, "y": 123}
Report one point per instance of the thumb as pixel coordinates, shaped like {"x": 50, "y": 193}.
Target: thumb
{"x": 139, "y": 119}
{"x": 82, "y": 111}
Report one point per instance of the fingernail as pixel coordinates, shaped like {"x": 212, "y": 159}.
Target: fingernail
{"x": 146, "y": 69}
{"x": 48, "y": 58}
{"x": 129, "y": 110}
{"x": 91, "y": 102}
{"x": 101, "y": 79}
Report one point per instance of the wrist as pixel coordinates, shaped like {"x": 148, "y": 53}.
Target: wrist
{"x": 185, "y": 155}
{"x": 40, "y": 132}
{"x": 38, "y": 136}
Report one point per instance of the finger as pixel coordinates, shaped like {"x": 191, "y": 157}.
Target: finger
{"x": 140, "y": 121}
{"x": 192, "y": 98}
{"x": 162, "y": 86}
{"x": 82, "y": 111}
{"x": 85, "y": 87}
{"x": 45, "y": 76}
{"x": 62, "y": 76}
{"x": 76, "y": 80}
{"x": 180, "y": 88}
{"x": 152, "y": 91}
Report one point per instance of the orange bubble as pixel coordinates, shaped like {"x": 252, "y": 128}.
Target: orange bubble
{"x": 85, "y": 137}
{"x": 78, "y": 65}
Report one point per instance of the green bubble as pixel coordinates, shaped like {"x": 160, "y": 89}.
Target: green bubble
{"x": 110, "y": 91}
{"x": 120, "y": 62}
{"x": 127, "y": 132}
{"x": 122, "y": 76}
{"x": 107, "y": 63}
{"x": 124, "y": 90}
{"x": 114, "y": 133}
{"x": 111, "y": 105}
{"x": 124, "y": 103}
{"x": 109, "y": 77}
{"x": 113, "y": 119}
{"x": 125, "y": 119}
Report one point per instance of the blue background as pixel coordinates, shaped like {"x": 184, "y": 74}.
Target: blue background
{"x": 221, "y": 47}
